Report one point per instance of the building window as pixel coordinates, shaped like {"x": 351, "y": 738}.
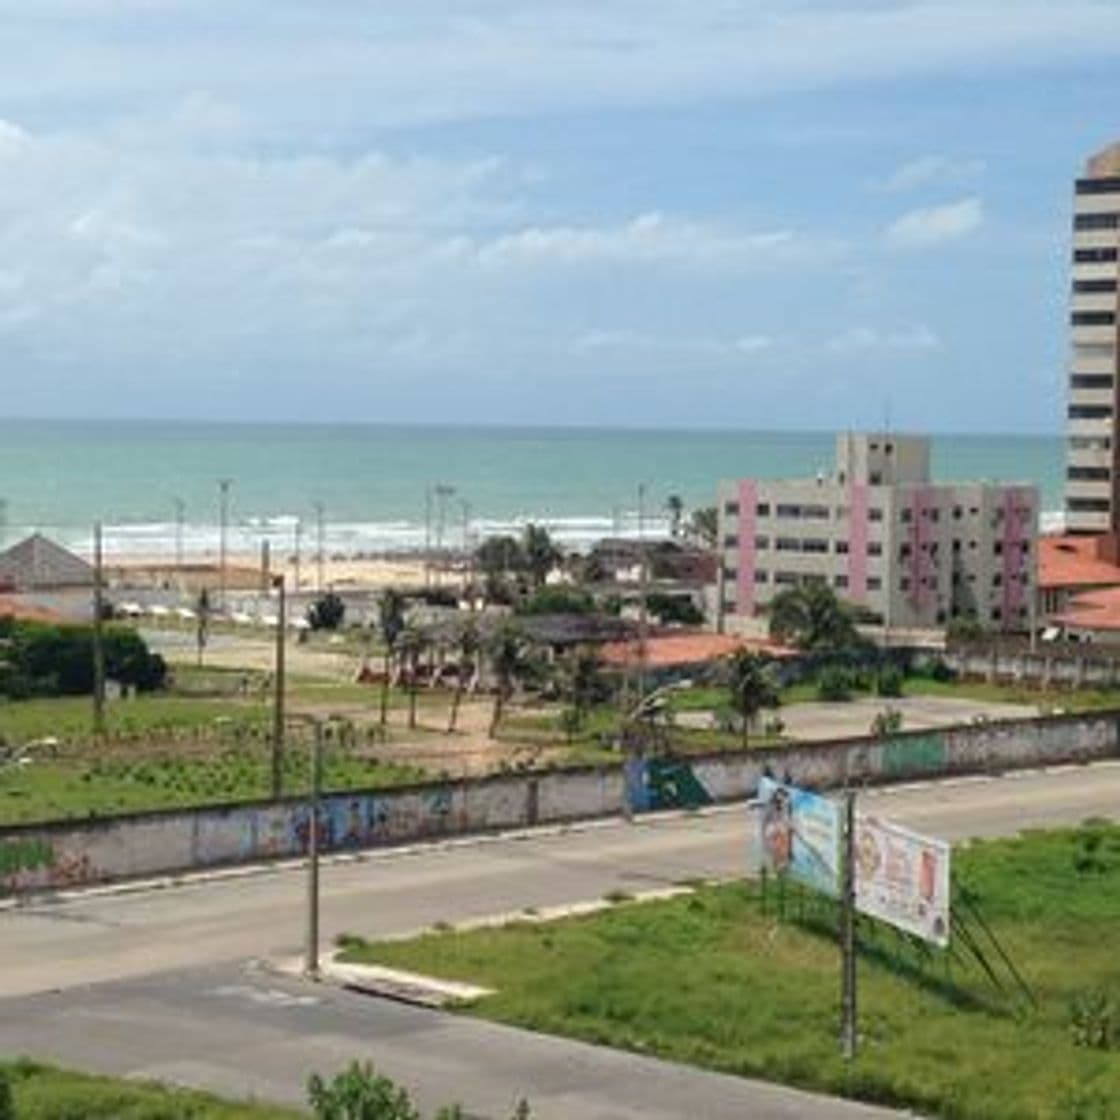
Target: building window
{"x": 730, "y": 575}
{"x": 841, "y": 512}
{"x": 1094, "y": 286}
{"x": 1094, "y": 256}
{"x": 997, "y": 548}
{"x": 1090, "y": 411}
{"x": 1088, "y": 505}
{"x": 904, "y": 584}
{"x": 1093, "y": 318}
{"x": 1088, "y": 474}
{"x": 786, "y": 578}
{"x": 997, "y": 580}
{"x": 731, "y": 509}
{"x": 731, "y": 541}
{"x": 761, "y": 576}
{"x": 814, "y": 544}
{"x": 875, "y": 478}
{"x": 841, "y": 548}
{"x": 1105, "y": 184}
{"x": 874, "y": 548}
{"x": 957, "y": 511}
{"x": 1090, "y": 443}
{"x": 874, "y": 514}
{"x": 762, "y": 543}
{"x": 762, "y": 509}
{"x": 839, "y": 581}
{"x": 787, "y": 544}
{"x": 874, "y": 583}
{"x": 888, "y": 448}
{"x": 1096, "y": 221}
{"x": 905, "y": 515}
{"x": 1091, "y": 381}
{"x": 997, "y": 614}
{"x": 904, "y": 551}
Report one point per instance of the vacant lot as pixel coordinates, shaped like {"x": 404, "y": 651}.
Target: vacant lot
{"x": 719, "y": 980}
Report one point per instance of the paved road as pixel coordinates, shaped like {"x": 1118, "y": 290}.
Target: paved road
{"x": 171, "y": 996}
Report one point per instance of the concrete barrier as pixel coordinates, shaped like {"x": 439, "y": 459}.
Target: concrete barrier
{"x": 72, "y": 854}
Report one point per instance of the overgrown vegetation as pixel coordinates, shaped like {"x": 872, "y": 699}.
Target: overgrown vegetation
{"x": 756, "y": 995}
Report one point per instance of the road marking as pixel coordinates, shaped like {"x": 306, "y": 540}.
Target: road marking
{"x": 270, "y": 997}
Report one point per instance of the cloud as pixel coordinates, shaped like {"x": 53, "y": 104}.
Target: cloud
{"x": 593, "y": 341}
{"x": 290, "y": 68}
{"x": 931, "y": 169}
{"x": 862, "y": 338}
{"x": 935, "y": 225}
{"x": 648, "y": 239}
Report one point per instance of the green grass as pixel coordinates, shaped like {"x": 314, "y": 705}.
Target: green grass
{"x": 715, "y": 980}
{"x": 43, "y": 1093}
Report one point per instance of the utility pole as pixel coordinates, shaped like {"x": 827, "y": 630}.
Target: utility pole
{"x": 427, "y": 536}
{"x": 311, "y": 960}
{"x": 319, "y": 556}
{"x": 278, "y": 694}
{"x": 180, "y": 509}
{"x": 223, "y": 513}
{"x": 848, "y": 933}
{"x": 443, "y": 491}
{"x": 468, "y": 553}
{"x": 98, "y": 637}
{"x": 298, "y": 544}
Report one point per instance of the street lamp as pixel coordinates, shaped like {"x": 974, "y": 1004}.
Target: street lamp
{"x": 223, "y": 515}
{"x": 278, "y": 694}
{"x": 311, "y": 945}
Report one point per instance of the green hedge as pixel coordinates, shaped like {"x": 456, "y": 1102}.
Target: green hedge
{"x": 38, "y": 659}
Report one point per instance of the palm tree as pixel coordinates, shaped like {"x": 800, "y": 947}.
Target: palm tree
{"x": 751, "y": 686}
{"x": 703, "y": 526}
{"x": 540, "y": 553}
{"x": 390, "y": 618}
{"x": 674, "y": 506}
{"x": 202, "y": 627}
{"x": 811, "y": 617}
{"x": 583, "y": 682}
{"x": 410, "y": 645}
{"x": 468, "y": 649}
{"x": 507, "y": 657}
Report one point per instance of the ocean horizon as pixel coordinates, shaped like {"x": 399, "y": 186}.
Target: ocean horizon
{"x": 374, "y": 481}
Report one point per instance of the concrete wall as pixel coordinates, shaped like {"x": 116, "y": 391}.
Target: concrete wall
{"x": 77, "y": 854}
{"x": 1047, "y": 666}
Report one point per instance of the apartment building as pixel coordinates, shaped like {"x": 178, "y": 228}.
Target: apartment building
{"x": 1093, "y": 448}
{"x": 912, "y": 553}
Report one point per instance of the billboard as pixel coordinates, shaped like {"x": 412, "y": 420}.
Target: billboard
{"x": 902, "y": 878}
{"x": 800, "y": 835}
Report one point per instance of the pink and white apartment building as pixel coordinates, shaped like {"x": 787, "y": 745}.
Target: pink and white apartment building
{"x": 912, "y": 553}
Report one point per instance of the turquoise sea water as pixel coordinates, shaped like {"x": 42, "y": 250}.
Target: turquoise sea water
{"x": 61, "y": 476}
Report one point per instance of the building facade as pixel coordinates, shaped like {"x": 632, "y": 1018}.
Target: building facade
{"x": 913, "y": 554}
{"x": 1093, "y": 449}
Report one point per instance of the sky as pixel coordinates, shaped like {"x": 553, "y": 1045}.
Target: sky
{"x": 702, "y": 213}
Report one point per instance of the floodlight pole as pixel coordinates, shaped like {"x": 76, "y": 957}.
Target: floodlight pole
{"x": 848, "y": 933}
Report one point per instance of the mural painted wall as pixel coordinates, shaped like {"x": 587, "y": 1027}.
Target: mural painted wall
{"x": 78, "y": 854}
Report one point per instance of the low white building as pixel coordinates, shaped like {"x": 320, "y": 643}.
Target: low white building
{"x": 912, "y": 553}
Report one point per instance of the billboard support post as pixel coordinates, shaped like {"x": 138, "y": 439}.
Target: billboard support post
{"x": 848, "y": 933}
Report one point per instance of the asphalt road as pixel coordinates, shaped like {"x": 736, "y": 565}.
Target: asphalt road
{"x": 159, "y": 982}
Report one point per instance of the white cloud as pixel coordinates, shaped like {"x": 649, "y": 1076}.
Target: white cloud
{"x": 935, "y": 225}
{"x": 648, "y": 239}
{"x": 931, "y": 169}
{"x": 335, "y": 70}
{"x": 863, "y": 338}
{"x": 680, "y": 346}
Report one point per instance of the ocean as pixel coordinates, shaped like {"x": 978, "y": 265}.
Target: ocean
{"x": 375, "y": 483}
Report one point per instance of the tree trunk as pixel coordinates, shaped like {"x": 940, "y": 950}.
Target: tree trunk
{"x": 385, "y": 688}
{"x": 456, "y": 699}
{"x": 412, "y": 671}
{"x": 746, "y": 730}
{"x": 499, "y": 703}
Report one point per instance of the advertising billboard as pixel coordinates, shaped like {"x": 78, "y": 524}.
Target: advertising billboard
{"x": 902, "y": 878}
{"x": 800, "y": 835}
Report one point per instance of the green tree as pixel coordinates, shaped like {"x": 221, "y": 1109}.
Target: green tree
{"x": 390, "y": 619}
{"x": 508, "y": 656}
{"x": 202, "y": 622}
{"x": 751, "y": 687}
{"x": 582, "y": 683}
{"x": 557, "y": 600}
{"x": 411, "y": 645}
{"x": 327, "y": 612}
{"x": 497, "y": 558}
{"x": 703, "y": 526}
{"x": 674, "y": 507}
{"x": 811, "y": 617}
{"x": 540, "y": 553}
{"x": 468, "y": 646}
{"x": 359, "y": 1093}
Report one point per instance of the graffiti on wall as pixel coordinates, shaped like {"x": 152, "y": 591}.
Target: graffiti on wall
{"x": 916, "y": 754}
{"x": 663, "y": 783}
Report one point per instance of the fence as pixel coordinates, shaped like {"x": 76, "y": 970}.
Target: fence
{"x": 71, "y": 854}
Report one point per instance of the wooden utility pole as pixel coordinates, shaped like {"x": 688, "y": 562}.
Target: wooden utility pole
{"x": 848, "y": 933}
{"x": 278, "y": 694}
{"x": 98, "y": 636}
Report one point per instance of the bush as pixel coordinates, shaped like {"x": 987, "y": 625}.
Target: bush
{"x": 889, "y": 681}
{"x": 670, "y": 609}
{"x": 326, "y": 613}
{"x": 887, "y": 722}
{"x": 557, "y": 600}
{"x": 834, "y": 683}
{"x": 1095, "y": 1020}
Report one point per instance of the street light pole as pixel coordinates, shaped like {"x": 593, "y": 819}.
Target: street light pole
{"x": 319, "y": 547}
{"x": 179, "y": 511}
{"x": 311, "y": 959}
{"x": 278, "y": 694}
{"x": 223, "y": 513}
{"x": 98, "y": 638}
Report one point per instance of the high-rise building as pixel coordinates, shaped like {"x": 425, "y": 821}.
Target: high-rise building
{"x": 1093, "y": 449}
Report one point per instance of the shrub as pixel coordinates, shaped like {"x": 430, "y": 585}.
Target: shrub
{"x": 886, "y": 722}
{"x": 889, "y": 681}
{"x": 1095, "y": 1020}
{"x": 326, "y": 613}
{"x": 834, "y": 683}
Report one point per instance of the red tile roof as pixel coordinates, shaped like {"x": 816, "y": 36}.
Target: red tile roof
{"x": 1071, "y": 562}
{"x": 1093, "y": 610}
{"x": 664, "y": 651}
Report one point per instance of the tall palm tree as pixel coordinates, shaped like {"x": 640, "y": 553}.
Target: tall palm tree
{"x": 582, "y": 682}
{"x": 506, "y": 649}
{"x": 390, "y": 618}
{"x": 751, "y": 686}
{"x": 540, "y": 553}
{"x": 410, "y": 646}
{"x": 468, "y": 644}
{"x": 674, "y": 506}
{"x": 811, "y": 617}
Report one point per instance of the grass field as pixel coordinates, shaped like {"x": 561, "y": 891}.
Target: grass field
{"x": 44, "y": 1093}
{"x": 715, "y": 980}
